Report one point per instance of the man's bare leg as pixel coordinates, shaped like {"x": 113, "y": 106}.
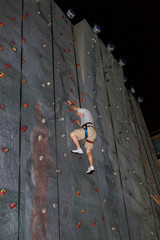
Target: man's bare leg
{"x": 90, "y": 156}
{"x": 75, "y": 140}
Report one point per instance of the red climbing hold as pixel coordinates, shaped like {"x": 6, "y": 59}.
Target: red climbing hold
{"x": 12, "y": 205}
{"x": 13, "y": 19}
{"x": 79, "y": 225}
{"x": 7, "y": 65}
{"x": 61, "y": 33}
{"x": 69, "y": 50}
{"x": 4, "y": 149}
{"x": 27, "y": 14}
{"x": 75, "y": 102}
{"x": 79, "y": 159}
{"x": 70, "y": 110}
{"x": 93, "y": 224}
{"x": 103, "y": 219}
{"x": 24, "y": 128}
{"x": 23, "y": 40}
{"x": 71, "y": 90}
{"x": 72, "y": 121}
{"x": 1, "y": 24}
{"x": 2, "y": 106}
{"x": 96, "y": 190}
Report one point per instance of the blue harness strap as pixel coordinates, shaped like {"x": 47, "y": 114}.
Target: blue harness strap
{"x": 86, "y": 132}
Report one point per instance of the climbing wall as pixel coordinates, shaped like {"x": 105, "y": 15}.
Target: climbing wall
{"x": 45, "y": 193}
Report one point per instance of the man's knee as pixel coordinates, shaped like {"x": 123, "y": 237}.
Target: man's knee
{"x": 72, "y": 135}
{"x": 88, "y": 151}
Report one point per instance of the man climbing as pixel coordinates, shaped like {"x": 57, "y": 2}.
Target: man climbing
{"x": 86, "y": 131}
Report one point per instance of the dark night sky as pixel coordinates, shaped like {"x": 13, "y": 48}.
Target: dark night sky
{"x": 134, "y": 29}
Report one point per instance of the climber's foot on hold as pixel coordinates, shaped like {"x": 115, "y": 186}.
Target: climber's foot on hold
{"x": 90, "y": 170}
{"x": 78, "y": 151}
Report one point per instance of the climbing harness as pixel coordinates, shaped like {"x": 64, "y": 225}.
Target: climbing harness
{"x": 85, "y": 126}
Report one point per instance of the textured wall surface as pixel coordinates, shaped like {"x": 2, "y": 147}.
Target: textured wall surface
{"x": 45, "y": 61}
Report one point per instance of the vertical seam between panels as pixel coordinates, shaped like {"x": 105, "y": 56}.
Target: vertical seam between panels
{"x": 54, "y": 91}
{"x": 19, "y": 171}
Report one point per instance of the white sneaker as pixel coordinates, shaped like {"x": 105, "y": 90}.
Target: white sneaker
{"x": 90, "y": 170}
{"x": 78, "y": 150}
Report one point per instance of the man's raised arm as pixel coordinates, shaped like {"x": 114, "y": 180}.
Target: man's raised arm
{"x": 72, "y": 105}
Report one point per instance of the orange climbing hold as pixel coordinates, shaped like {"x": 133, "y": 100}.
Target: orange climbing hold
{"x": 2, "y": 75}
{"x": 25, "y": 104}
{"x": 83, "y": 211}
{"x": 78, "y": 192}
{"x": 3, "y": 192}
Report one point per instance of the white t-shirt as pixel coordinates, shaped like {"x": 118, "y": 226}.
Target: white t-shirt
{"x": 86, "y": 116}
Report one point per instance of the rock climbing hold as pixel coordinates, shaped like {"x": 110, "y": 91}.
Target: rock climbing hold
{"x": 44, "y": 210}
{"x": 1, "y": 48}
{"x": 13, "y": 19}
{"x": 54, "y": 205}
{"x": 27, "y": 14}
{"x": 103, "y": 218}
{"x": 22, "y": 61}
{"x": 2, "y": 75}
{"x": 70, "y": 13}
{"x": 40, "y": 138}
{"x": 12, "y": 205}
{"x": 72, "y": 121}
{"x": 113, "y": 228}
{"x": 78, "y": 192}
{"x": 25, "y": 104}
{"x": 62, "y": 119}
{"x": 43, "y": 120}
{"x": 41, "y": 158}
{"x": 2, "y": 106}
{"x": 65, "y": 155}
{"x": 7, "y": 65}
{"x": 23, "y": 81}
{"x": 79, "y": 159}
{"x": 48, "y": 83}
{"x": 44, "y": 45}
{"x": 3, "y": 192}
{"x": 23, "y": 40}
{"x": 79, "y": 225}
{"x": 58, "y": 171}
{"x": 96, "y": 190}
{"x": 1, "y": 24}
{"x": 102, "y": 150}
{"x": 4, "y": 149}
{"x": 83, "y": 211}
{"x": 24, "y": 128}
{"x": 70, "y": 110}
{"x": 63, "y": 135}
{"x": 43, "y": 85}
{"x": 14, "y": 49}
{"x": 93, "y": 224}
{"x": 104, "y": 200}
